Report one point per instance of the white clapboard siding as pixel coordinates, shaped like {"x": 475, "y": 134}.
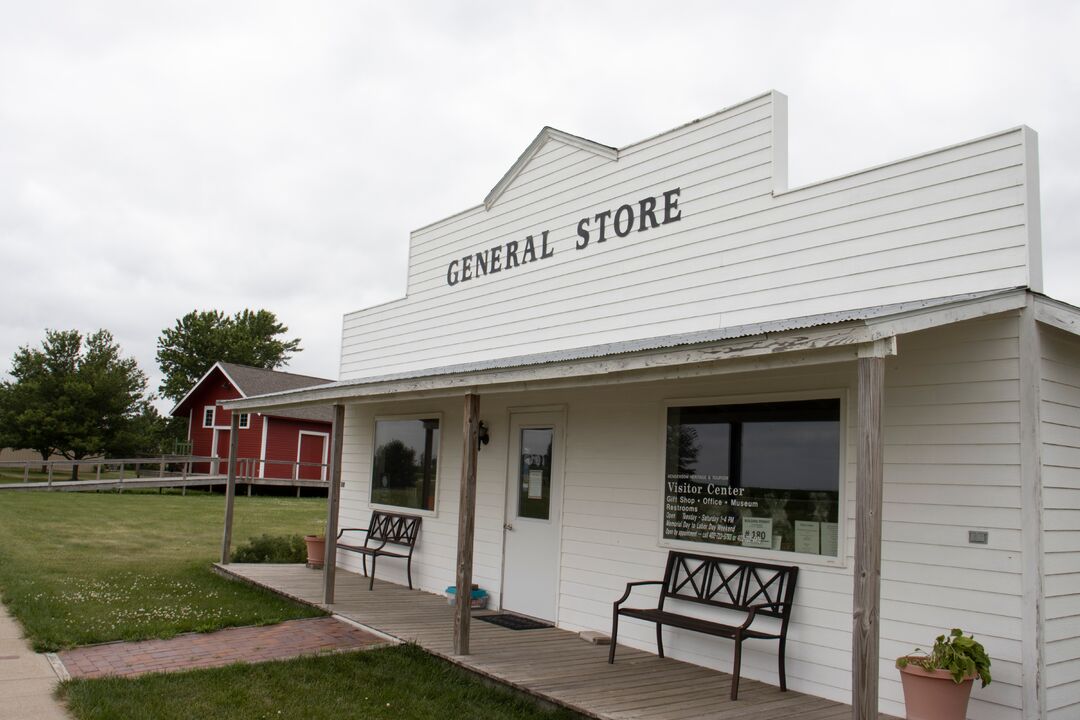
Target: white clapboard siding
{"x": 946, "y": 222}
{"x": 608, "y": 543}
{"x": 834, "y": 243}
{"x": 1060, "y": 411}
{"x": 952, "y": 464}
{"x": 610, "y": 532}
{"x": 435, "y": 557}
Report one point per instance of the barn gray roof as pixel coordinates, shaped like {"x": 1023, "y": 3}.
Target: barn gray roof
{"x": 253, "y": 381}
{"x": 259, "y": 381}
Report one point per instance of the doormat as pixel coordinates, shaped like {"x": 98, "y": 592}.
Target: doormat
{"x": 514, "y": 622}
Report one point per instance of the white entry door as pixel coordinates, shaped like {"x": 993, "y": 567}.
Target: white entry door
{"x": 533, "y": 502}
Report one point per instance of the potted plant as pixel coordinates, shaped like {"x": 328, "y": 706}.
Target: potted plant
{"x": 937, "y": 685}
{"x": 316, "y": 549}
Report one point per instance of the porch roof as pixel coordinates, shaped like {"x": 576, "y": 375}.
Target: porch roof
{"x": 811, "y": 339}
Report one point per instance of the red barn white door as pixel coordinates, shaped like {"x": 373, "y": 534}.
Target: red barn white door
{"x": 313, "y": 447}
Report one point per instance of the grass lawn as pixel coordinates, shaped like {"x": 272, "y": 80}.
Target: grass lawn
{"x": 398, "y": 682}
{"x": 80, "y": 568}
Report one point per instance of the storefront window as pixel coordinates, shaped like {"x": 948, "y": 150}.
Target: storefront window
{"x": 406, "y": 455}
{"x": 763, "y": 475}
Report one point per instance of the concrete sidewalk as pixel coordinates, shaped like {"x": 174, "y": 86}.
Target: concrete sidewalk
{"x": 27, "y": 679}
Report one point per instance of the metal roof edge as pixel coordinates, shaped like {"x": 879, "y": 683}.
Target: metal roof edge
{"x": 1057, "y": 313}
{"x": 877, "y": 317}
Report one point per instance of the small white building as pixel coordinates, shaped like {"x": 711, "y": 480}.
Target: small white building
{"x": 669, "y": 348}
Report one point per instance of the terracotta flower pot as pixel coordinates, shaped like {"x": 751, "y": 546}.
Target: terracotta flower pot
{"x": 316, "y": 550}
{"x": 932, "y": 694}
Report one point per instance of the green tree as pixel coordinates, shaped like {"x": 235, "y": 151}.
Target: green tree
{"x": 76, "y": 397}
{"x": 682, "y": 449}
{"x": 396, "y": 462}
{"x": 199, "y": 339}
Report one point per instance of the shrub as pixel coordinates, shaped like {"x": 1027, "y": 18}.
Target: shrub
{"x": 272, "y": 549}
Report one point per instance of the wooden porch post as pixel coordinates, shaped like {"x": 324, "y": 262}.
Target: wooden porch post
{"x": 230, "y": 487}
{"x": 868, "y": 488}
{"x": 466, "y": 522}
{"x": 333, "y": 505}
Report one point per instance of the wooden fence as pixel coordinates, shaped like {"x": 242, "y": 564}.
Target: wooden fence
{"x": 166, "y": 470}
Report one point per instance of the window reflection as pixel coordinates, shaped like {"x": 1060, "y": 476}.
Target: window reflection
{"x": 763, "y": 475}
{"x": 406, "y": 456}
{"x": 534, "y": 488}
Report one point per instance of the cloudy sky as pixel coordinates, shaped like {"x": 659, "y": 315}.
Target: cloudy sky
{"x": 167, "y": 156}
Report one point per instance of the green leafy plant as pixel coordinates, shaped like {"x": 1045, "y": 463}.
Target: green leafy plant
{"x": 962, "y": 656}
{"x": 271, "y": 549}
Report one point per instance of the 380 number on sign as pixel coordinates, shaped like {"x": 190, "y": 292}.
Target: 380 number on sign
{"x": 757, "y": 532}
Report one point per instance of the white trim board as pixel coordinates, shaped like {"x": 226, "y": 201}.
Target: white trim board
{"x": 262, "y": 447}
{"x": 1057, "y": 314}
{"x": 325, "y": 449}
{"x": 1033, "y": 656}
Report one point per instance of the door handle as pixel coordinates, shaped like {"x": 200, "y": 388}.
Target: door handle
{"x": 507, "y": 526}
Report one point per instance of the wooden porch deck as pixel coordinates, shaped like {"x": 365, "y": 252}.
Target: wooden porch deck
{"x": 551, "y": 664}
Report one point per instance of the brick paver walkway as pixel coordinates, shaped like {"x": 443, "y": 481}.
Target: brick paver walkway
{"x": 200, "y": 650}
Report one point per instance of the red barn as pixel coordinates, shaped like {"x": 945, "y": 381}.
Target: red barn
{"x": 290, "y": 436}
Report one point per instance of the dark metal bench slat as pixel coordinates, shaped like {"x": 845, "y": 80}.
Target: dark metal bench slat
{"x": 394, "y": 528}
{"x": 748, "y": 586}
{"x": 689, "y": 622}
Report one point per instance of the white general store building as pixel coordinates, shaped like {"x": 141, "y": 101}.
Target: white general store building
{"x": 669, "y": 346}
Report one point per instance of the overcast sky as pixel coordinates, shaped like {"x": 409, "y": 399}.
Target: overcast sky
{"x": 160, "y": 157}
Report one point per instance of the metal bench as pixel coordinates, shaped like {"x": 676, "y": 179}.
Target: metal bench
{"x": 750, "y": 587}
{"x": 385, "y": 528}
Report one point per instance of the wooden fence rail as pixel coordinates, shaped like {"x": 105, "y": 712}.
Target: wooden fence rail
{"x": 186, "y": 469}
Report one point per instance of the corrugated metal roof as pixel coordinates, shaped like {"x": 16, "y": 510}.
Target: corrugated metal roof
{"x": 878, "y": 312}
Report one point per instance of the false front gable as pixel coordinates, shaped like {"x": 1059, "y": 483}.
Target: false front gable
{"x": 692, "y": 230}
{"x": 548, "y": 153}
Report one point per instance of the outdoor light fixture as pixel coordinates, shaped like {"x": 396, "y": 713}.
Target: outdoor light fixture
{"x": 483, "y": 438}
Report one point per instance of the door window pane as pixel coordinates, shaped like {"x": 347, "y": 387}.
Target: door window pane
{"x": 534, "y": 486}
{"x": 406, "y": 456}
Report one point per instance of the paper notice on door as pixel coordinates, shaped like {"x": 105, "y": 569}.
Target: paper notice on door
{"x": 757, "y": 532}
{"x": 536, "y": 484}
{"x": 829, "y": 539}
{"x": 807, "y": 537}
